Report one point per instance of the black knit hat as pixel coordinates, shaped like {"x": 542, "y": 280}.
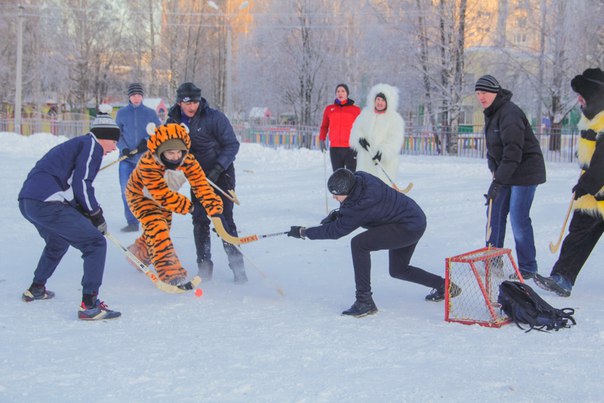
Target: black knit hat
{"x": 103, "y": 126}
{"x": 135, "y": 88}
{"x": 188, "y": 92}
{"x": 590, "y": 85}
{"x": 341, "y": 182}
{"x": 487, "y": 83}
{"x": 343, "y": 86}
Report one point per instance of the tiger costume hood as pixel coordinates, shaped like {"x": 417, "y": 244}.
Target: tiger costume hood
{"x": 171, "y": 136}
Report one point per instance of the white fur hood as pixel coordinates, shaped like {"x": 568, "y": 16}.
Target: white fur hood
{"x": 389, "y": 91}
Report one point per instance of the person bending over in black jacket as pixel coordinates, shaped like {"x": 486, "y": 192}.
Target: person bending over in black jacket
{"x": 393, "y": 222}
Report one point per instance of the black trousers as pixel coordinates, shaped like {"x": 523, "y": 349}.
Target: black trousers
{"x": 400, "y": 244}
{"x": 201, "y": 223}
{"x": 584, "y": 232}
{"x": 343, "y": 157}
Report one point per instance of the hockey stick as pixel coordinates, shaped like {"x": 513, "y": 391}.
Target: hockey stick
{"x": 225, "y": 236}
{"x": 264, "y": 276}
{"x": 553, "y": 247}
{"x": 230, "y": 195}
{"x": 405, "y": 190}
{"x": 489, "y": 230}
{"x": 325, "y": 179}
{"x": 120, "y": 159}
{"x": 165, "y": 287}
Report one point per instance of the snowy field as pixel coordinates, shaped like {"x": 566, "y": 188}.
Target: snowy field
{"x": 248, "y": 343}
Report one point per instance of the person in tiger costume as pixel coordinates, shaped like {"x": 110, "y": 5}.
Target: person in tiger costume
{"x": 587, "y": 225}
{"x": 152, "y": 196}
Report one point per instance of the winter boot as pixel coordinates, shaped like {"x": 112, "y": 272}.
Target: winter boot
{"x": 97, "y": 311}
{"x": 36, "y": 292}
{"x": 239, "y": 273}
{"x": 438, "y": 294}
{"x": 363, "y": 306}
{"x": 206, "y": 268}
{"x": 130, "y": 227}
{"x": 555, "y": 283}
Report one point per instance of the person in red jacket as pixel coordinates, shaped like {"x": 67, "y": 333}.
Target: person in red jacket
{"x": 337, "y": 121}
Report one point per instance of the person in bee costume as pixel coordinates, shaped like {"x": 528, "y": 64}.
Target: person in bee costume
{"x": 587, "y": 225}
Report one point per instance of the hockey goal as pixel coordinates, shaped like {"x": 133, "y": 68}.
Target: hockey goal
{"x": 479, "y": 274}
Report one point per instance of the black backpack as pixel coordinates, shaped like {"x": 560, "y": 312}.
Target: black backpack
{"x": 523, "y": 305}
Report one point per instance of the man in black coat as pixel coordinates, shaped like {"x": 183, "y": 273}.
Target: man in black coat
{"x": 215, "y": 146}
{"x": 393, "y": 221}
{"x": 516, "y": 162}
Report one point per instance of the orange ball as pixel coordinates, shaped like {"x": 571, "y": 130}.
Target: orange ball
{"x": 198, "y": 292}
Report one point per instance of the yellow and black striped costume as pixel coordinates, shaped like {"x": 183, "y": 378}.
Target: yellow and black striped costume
{"x": 152, "y": 201}
{"x": 592, "y": 139}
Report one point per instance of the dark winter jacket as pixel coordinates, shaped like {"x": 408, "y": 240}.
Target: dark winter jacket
{"x": 132, "y": 121}
{"x": 65, "y": 174}
{"x": 212, "y": 137}
{"x": 371, "y": 203}
{"x": 513, "y": 152}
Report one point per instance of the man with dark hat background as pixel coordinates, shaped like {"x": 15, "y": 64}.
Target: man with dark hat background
{"x": 215, "y": 146}
{"x": 59, "y": 200}
{"x": 394, "y": 222}
{"x": 587, "y": 224}
{"x": 133, "y": 119}
{"x": 516, "y": 163}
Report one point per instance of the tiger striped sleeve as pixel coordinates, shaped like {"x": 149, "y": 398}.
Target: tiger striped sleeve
{"x": 210, "y": 201}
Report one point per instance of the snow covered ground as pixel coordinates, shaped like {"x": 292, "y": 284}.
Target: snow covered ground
{"x": 249, "y": 344}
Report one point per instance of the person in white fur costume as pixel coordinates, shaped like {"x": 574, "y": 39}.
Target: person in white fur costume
{"x": 378, "y": 133}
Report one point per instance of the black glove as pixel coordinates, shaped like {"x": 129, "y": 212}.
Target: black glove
{"x": 98, "y": 221}
{"x": 579, "y": 191}
{"x": 492, "y": 192}
{"x": 126, "y": 152}
{"x": 364, "y": 143}
{"x": 331, "y": 217}
{"x": 322, "y": 145}
{"x": 297, "y": 232}
{"x": 142, "y": 146}
{"x": 214, "y": 173}
{"x": 377, "y": 157}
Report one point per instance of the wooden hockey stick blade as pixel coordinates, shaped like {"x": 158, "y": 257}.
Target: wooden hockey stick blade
{"x": 407, "y": 189}
{"x": 230, "y": 195}
{"x": 165, "y": 287}
{"x": 234, "y": 196}
{"x": 553, "y": 247}
{"x": 228, "y": 237}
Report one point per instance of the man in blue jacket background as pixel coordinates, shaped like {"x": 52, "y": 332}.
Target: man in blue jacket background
{"x": 132, "y": 121}
{"x": 59, "y": 200}
{"x": 394, "y": 222}
{"x": 215, "y": 146}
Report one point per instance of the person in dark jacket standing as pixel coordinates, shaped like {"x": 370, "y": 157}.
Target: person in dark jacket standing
{"x": 59, "y": 200}
{"x": 516, "y": 163}
{"x": 215, "y": 146}
{"x": 587, "y": 225}
{"x": 132, "y": 121}
{"x": 337, "y": 122}
{"x": 393, "y": 222}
